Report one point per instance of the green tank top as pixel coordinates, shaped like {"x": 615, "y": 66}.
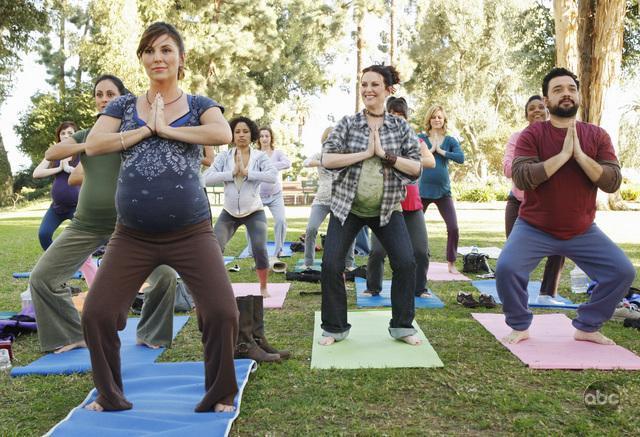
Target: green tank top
{"x": 370, "y": 189}
{"x": 96, "y": 210}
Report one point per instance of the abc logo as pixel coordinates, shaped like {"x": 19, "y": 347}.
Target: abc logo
{"x": 602, "y": 396}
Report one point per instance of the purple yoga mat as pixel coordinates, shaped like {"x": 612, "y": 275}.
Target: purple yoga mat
{"x": 278, "y": 292}
{"x": 440, "y": 272}
{"x": 551, "y": 345}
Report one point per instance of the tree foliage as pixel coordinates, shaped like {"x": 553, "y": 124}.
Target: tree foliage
{"x": 465, "y": 63}
{"x": 36, "y": 127}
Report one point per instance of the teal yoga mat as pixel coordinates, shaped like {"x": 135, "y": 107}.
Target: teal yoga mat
{"x": 78, "y": 361}
{"x": 163, "y": 396}
{"x": 384, "y": 298}
{"x": 369, "y": 345}
{"x": 317, "y": 265}
{"x": 271, "y": 247}
{"x": 489, "y": 287}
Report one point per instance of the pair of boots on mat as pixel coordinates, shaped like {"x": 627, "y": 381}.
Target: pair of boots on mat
{"x": 251, "y": 339}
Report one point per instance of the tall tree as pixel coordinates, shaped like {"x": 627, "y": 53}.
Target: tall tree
{"x": 464, "y": 62}
{"x": 358, "y": 18}
{"x": 19, "y": 20}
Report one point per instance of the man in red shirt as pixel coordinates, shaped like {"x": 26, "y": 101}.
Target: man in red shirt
{"x": 560, "y": 164}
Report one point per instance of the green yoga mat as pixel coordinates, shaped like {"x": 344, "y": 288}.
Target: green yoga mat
{"x": 369, "y": 345}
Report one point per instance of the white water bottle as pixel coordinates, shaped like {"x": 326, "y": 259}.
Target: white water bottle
{"x": 579, "y": 280}
{"x": 5, "y": 360}
{"x": 25, "y": 296}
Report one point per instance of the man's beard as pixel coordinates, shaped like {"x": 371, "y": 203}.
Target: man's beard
{"x": 564, "y": 112}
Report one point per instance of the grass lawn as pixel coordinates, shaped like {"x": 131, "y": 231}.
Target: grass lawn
{"x": 482, "y": 389}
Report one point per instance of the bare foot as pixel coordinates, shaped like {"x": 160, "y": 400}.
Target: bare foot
{"x": 413, "y": 340}
{"x": 224, "y": 408}
{"x": 594, "y": 337}
{"x": 326, "y": 341}
{"x": 264, "y": 292}
{"x": 425, "y": 295}
{"x": 94, "y": 406}
{"x": 452, "y": 267}
{"x": 516, "y": 336}
{"x": 70, "y": 347}
{"x": 149, "y": 345}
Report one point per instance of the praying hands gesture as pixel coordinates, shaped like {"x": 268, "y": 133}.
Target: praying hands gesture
{"x": 157, "y": 121}
{"x": 239, "y": 168}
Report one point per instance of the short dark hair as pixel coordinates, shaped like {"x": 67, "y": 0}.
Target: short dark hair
{"x": 388, "y": 73}
{"x": 156, "y": 30}
{"x": 62, "y": 126}
{"x": 557, "y": 72}
{"x": 253, "y": 127}
{"x": 531, "y": 99}
{"x": 115, "y": 80}
{"x": 399, "y": 105}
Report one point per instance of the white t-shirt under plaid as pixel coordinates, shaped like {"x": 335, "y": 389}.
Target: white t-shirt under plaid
{"x": 351, "y": 135}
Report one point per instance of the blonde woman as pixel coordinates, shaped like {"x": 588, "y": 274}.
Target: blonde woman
{"x": 435, "y": 186}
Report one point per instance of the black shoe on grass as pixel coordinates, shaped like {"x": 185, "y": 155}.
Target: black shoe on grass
{"x": 467, "y": 300}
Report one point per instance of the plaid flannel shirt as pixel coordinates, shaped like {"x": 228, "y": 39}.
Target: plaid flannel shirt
{"x": 351, "y": 135}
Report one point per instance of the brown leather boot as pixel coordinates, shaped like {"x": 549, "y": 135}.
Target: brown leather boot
{"x": 258, "y": 328}
{"x": 246, "y": 346}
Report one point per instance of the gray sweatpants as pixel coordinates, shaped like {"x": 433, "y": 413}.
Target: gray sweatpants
{"x": 57, "y": 317}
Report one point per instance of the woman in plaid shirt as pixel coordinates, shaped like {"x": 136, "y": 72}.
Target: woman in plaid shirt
{"x": 372, "y": 155}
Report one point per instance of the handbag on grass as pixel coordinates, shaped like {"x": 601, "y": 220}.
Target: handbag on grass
{"x": 476, "y": 262}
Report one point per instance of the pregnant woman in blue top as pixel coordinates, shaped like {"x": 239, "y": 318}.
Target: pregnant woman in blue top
{"x": 163, "y": 218}
{"x": 435, "y": 186}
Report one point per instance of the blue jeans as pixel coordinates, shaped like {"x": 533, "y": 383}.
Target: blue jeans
{"x": 50, "y": 222}
{"x": 395, "y": 239}
{"x": 592, "y": 251}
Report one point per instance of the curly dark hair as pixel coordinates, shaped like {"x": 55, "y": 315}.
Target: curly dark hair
{"x": 253, "y": 127}
{"x": 399, "y": 105}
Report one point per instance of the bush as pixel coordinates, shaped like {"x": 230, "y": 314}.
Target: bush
{"x": 630, "y": 194}
{"x": 485, "y": 194}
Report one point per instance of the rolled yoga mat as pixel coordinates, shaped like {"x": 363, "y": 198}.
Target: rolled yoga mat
{"x": 369, "y": 345}
{"x": 78, "y": 360}
{"x": 488, "y": 286}
{"x": 551, "y": 345}
{"x": 384, "y": 298}
{"x": 25, "y": 275}
{"x": 164, "y": 396}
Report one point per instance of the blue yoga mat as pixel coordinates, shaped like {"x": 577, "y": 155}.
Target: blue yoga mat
{"x": 384, "y": 298}
{"x": 78, "y": 360}
{"x": 317, "y": 265}
{"x": 25, "y": 275}
{"x": 489, "y": 287}
{"x": 271, "y": 247}
{"x": 164, "y": 396}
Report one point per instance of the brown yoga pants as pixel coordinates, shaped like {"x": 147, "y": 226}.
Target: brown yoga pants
{"x": 131, "y": 256}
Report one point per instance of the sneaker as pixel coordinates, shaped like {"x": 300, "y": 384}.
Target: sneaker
{"x": 487, "y": 301}
{"x": 624, "y": 311}
{"x": 467, "y": 300}
{"x": 234, "y": 268}
{"x": 544, "y": 299}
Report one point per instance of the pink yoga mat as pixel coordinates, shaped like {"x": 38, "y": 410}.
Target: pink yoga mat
{"x": 277, "y": 290}
{"x": 552, "y": 346}
{"x": 440, "y": 272}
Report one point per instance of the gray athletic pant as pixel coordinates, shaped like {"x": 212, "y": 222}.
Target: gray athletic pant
{"x": 57, "y": 317}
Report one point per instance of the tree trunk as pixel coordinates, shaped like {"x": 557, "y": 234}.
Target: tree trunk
{"x": 586, "y": 13}
{"x": 565, "y": 14}
{"x": 6, "y": 180}
{"x": 392, "y": 32}
{"x": 358, "y": 15}
{"x": 62, "y": 58}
